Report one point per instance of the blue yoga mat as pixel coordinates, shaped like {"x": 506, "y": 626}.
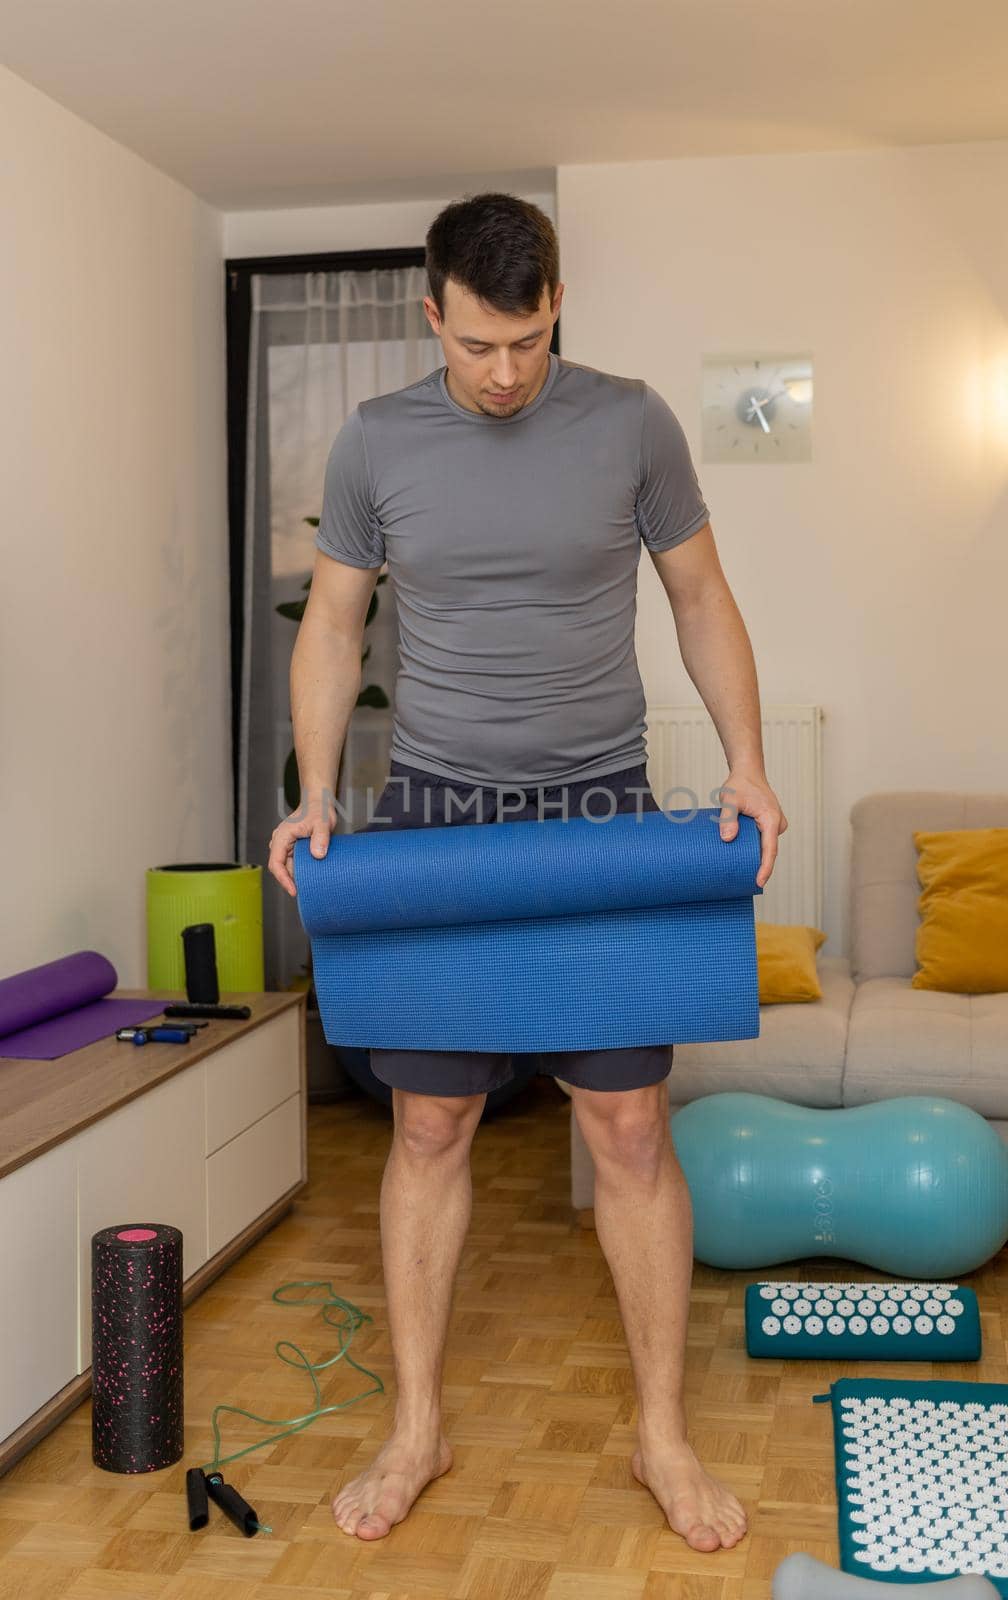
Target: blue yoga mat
{"x": 922, "y": 1478}
{"x": 535, "y": 936}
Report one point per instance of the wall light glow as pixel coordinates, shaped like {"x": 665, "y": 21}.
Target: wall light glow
{"x": 985, "y": 396}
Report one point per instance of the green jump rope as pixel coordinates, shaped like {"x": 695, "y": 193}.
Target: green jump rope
{"x": 206, "y": 1482}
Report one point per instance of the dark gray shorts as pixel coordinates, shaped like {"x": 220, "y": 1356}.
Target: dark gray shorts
{"x": 413, "y": 798}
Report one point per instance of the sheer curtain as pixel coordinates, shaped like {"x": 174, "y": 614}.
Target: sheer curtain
{"x": 319, "y": 343}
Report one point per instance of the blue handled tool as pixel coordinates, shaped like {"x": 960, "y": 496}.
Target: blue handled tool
{"x": 160, "y": 1033}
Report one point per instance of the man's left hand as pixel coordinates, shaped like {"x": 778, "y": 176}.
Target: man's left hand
{"x": 749, "y": 794}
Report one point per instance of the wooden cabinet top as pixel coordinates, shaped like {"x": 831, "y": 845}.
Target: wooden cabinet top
{"x": 44, "y": 1102}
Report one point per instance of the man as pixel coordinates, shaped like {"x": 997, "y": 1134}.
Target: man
{"x": 510, "y": 492}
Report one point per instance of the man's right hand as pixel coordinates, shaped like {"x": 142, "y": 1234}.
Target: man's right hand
{"x": 315, "y": 818}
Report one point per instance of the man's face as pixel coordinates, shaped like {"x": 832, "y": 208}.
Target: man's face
{"x": 497, "y": 361}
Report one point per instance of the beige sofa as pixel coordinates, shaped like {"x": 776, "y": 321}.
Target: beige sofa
{"x": 871, "y": 1036}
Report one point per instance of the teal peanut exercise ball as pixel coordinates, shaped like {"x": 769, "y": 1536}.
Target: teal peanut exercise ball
{"x": 914, "y": 1186}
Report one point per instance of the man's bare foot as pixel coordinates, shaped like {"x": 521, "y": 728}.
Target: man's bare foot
{"x": 384, "y": 1492}
{"x": 699, "y": 1507}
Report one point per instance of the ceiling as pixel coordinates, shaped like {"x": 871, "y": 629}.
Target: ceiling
{"x": 312, "y": 102}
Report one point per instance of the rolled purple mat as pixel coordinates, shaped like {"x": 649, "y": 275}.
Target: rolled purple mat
{"x": 49, "y": 1010}
{"x": 44, "y": 992}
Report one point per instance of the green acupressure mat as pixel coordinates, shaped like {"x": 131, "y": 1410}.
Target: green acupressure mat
{"x": 844, "y": 1321}
{"x": 922, "y": 1478}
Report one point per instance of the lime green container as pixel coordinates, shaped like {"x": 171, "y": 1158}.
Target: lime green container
{"x": 226, "y": 893}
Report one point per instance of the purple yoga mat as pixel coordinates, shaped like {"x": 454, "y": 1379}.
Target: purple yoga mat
{"x": 50, "y": 1010}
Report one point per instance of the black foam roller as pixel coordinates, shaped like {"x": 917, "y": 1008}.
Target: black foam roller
{"x": 136, "y": 1355}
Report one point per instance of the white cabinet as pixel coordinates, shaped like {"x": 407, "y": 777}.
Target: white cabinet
{"x": 38, "y": 1308}
{"x": 248, "y": 1077}
{"x": 254, "y": 1126}
{"x": 246, "y": 1175}
{"x": 209, "y": 1149}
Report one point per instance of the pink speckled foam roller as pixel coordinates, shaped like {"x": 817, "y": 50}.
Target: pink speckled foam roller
{"x": 136, "y": 1359}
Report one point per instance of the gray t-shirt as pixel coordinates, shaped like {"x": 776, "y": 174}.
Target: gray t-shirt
{"x": 512, "y": 546}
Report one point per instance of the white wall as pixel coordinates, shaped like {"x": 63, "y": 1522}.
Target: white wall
{"x": 873, "y": 580}
{"x": 114, "y": 675}
{"x": 393, "y": 225}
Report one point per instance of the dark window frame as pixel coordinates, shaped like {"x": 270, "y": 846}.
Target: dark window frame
{"x": 238, "y": 273}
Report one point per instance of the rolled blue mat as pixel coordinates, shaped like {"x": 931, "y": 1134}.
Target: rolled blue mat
{"x": 880, "y": 1321}
{"x": 530, "y": 936}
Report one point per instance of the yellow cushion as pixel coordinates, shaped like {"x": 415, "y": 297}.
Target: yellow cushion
{"x": 785, "y": 960}
{"x": 962, "y": 939}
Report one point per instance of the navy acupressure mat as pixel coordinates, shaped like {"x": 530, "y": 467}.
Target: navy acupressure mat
{"x": 586, "y": 934}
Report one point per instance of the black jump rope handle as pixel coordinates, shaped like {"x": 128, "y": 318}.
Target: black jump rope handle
{"x": 199, "y": 1486}
{"x": 232, "y": 1504}
{"x": 196, "y": 1497}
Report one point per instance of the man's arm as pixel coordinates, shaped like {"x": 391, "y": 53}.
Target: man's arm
{"x": 325, "y": 680}
{"x": 714, "y": 645}
{"x": 718, "y": 657}
{"x": 325, "y": 672}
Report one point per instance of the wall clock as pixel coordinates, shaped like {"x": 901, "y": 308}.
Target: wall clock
{"x": 757, "y": 408}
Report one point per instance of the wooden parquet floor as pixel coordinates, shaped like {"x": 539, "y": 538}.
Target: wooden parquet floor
{"x": 539, "y": 1408}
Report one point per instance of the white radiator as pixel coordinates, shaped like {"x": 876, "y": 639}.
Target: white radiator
{"x": 687, "y": 766}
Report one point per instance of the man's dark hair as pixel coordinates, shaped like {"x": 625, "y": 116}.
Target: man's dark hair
{"x": 499, "y": 247}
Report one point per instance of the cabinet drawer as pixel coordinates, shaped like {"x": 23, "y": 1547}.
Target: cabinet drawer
{"x": 144, "y": 1163}
{"x": 255, "y": 1169}
{"x": 250, "y": 1076}
{"x": 38, "y": 1310}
